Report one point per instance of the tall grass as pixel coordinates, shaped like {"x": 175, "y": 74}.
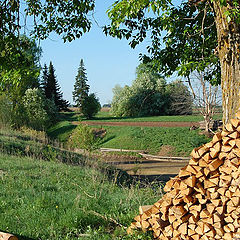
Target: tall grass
{"x": 46, "y": 200}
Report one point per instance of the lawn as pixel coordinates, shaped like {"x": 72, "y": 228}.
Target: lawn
{"x": 49, "y": 200}
{"x": 153, "y": 139}
{"x": 150, "y": 139}
{"x": 107, "y": 117}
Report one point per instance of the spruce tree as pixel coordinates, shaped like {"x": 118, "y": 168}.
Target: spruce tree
{"x": 81, "y": 88}
{"x": 52, "y": 89}
{"x": 44, "y": 78}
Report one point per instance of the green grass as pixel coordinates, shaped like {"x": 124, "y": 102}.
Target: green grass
{"x": 106, "y": 116}
{"x": 46, "y": 200}
{"x": 152, "y": 139}
{"x": 61, "y": 130}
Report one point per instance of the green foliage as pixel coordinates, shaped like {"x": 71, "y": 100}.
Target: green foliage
{"x": 81, "y": 88}
{"x": 90, "y": 106}
{"x": 19, "y": 68}
{"x": 83, "y": 137}
{"x": 180, "y": 99}
{"x": 38, "y": 110}
{"x": 69, "y": 19}
{"x": 62, "y": 201}
{"x": 6, "y": 111}
{"x": 145, "y": 97}
{"x": 51, "y": 88}
{"x": 150, "y": 95}
{"x": 183, "y": 36}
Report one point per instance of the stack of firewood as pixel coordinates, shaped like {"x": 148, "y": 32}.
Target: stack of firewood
{"x": 203, "y": 201}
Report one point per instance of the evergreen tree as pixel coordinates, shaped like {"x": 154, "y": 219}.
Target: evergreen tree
{"x": 81, "y": 88}
{"x": 52, "y": 89}
{"x": 44, "y": 78}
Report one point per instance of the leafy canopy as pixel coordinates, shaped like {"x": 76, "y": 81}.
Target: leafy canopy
{"x": 183, "y": 37}
{"x": 150, "y": 95}
{"x": 70, "y": 19}
{"x": 19, "y": 68}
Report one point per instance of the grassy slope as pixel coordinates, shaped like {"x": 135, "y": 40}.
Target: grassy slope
{"x": 47, "y": 200}
{"x": 152, "y": 139}
{"x": 140, "y": 138}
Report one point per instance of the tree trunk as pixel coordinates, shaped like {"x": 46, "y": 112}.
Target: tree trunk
{"x": 228, "y": 52}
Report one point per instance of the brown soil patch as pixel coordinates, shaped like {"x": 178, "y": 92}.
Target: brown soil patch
{"x": 167, "y": 150}
{"x": 99, "y": 132}
{"x": 140, "y": 124}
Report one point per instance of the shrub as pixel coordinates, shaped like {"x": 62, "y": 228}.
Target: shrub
{"x": 90, "y": 106}
{"x": 180, "y": 99}
{"x": 34, "y": 134}
{"x": 6, "y": 111}
{"x": 146, "y": 96}
{"x": 39, "y": 111}
{"x": 83, "y": 137}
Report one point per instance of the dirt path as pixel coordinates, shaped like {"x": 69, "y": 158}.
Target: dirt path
{"x": 141, "y": 124}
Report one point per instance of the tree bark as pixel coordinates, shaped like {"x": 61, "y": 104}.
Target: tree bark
{"x": 228, "y": 52}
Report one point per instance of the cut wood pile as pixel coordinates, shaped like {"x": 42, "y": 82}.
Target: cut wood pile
{"x": 203, "y": 200}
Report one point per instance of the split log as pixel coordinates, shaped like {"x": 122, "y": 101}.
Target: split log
{"x": 203, "y": 201}
{"x": 7, "y": 236}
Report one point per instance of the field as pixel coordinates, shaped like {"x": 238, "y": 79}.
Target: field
{"x": 47, "y": 199}
{"x": 48, "y": 192}
{"x": 150, "y": 139}
{"x": 107, "y": 117}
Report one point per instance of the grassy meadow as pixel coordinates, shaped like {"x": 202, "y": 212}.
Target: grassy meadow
{"x": 150, "y": 139}
{"x": 48, "y": 192}
{"x": 104, "y": 116}
{"x": 48, "y": 200}
{"x": 56, "y": 194}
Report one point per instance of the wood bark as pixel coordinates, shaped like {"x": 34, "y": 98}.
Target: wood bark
{"x": 228, "y": 52}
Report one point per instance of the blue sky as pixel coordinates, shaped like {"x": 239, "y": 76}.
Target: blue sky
{"x": 108, "y": 61}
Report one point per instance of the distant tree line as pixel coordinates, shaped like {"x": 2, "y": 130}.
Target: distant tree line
{"x": 150, "y": 95}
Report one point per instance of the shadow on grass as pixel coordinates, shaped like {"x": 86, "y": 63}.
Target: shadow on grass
{"x": 122, "y": 178}
{"x": 106, "y": 139}
{"x": 163, "y": 178}
{"x": 69, "y": 116}
{"x": 62, "y": 130}
{"x": 24, "y": 238}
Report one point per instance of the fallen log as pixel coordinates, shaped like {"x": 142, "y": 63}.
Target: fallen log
{"x": 7, "y": 236}
{"x": 120, "y": 150}
{"x": 164, "y": 158}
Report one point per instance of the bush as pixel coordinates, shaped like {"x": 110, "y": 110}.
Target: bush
{"x": 39, "y": 111}
{"x": 180, "y": 99}
{"x": 6, "y": 111}
{"x": 146, "y": 96}
{"x": 90, "y": 106}
{"x": 83, "y": 137}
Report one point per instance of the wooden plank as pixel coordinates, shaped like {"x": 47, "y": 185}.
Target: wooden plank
{"x": 164, "y": 158}
{"x": 120, "y": 150}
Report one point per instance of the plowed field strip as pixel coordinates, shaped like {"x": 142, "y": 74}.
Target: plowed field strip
{"x": 141, "y": 124}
